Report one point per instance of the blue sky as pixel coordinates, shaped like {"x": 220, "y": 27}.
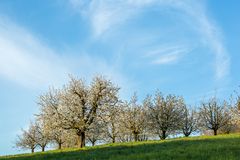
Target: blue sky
{"x": 189, "y": 47}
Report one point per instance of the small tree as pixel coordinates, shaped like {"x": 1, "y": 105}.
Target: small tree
{"x": 237, "y": 100}
{"x": 166, "y": 114}
{"x": 49, "y": 103}
{"x": 69, "y": 139}
{"x": 95, "y": 132}
{"x": 238, "y": 104}
{"x": 43, "y": 137}
{"x": 233, "y": 123}
{"x": 28, "y": 138}
{"x": 134, "y": 117}
{"x": 189, "y": 122}
{"x": 111, "y": 116}
{"x": 58, "y": 136}
{"x": 214, "y": 115}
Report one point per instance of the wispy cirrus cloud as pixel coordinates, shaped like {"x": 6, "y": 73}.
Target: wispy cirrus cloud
{"x": 166, "y": 59}
{"x": 210, "y": 33}
{"x": 103, "y": 15}
{"x": 167, "y": 54}
{"x": 107, "y": 15}
{"x": 26, "y": 60}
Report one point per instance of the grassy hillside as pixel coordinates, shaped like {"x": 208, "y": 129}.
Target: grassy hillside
{"x": 223, "y": 147}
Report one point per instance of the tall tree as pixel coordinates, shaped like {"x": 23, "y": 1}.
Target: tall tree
{"x": 80, "y": 104}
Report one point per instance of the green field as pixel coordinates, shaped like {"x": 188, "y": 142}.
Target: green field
{"x": 222, "y": 147}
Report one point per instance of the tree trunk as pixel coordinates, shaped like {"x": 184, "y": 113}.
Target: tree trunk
{"x": 60, "y": 145}
{"x": 135, "y": 137}
{"x": 43, "y": 148}
{"x": 163, "y": 135}
{"x": 113, "y": 139}
{"x": 93, "y": 143}
{"x": 186, "y": 134}
{"x": 215, "y": 132}
{"x": 81, "y": 139}
{"x": 113, "y": 133}
{"x": 32, "y": 150}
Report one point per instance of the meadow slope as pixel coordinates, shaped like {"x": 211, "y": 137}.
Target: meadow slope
{"x": 222, "y": 147}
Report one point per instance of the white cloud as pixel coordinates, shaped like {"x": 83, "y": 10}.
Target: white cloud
{"x": 167, "y": 54}
{"x": 27, "y": 61}
{"x": 166, "y": 59}
{"x": 211, "y": 35}
{"x": 105, "y": 15}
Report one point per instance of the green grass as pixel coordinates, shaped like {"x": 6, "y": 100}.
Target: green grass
{"x": 222, "y": 147}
